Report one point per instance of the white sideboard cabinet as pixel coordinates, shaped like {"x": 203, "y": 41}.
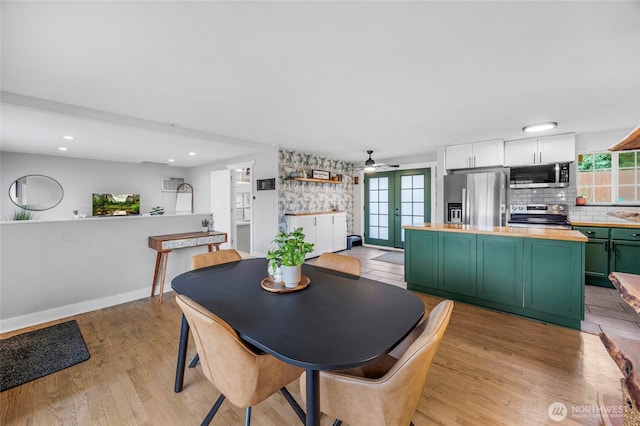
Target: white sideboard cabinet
{"x": 327, "y": 231}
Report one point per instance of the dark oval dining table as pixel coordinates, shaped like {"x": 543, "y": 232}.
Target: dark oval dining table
{"x": 339, "y": 321}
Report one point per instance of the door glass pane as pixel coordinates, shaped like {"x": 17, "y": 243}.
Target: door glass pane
{"x": 418, "y": 181}
{"x": 378, "y": 196}
{"x": 384, "y": 233}
{"x": 412, "y": 200}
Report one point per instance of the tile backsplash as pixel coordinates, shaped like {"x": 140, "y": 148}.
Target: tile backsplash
{"x": 587, "y": 213}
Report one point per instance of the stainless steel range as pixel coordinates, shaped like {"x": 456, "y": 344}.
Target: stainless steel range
{"x": 539, "y": 216}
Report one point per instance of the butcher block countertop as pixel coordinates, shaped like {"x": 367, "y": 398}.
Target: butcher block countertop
{"x": 504, "y": 231}
{"x": 606, "y": 225}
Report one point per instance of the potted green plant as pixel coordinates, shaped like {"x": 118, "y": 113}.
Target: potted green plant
{"x": 76, "y": 215}
{"x": 22, "y": 214}
{"x": 205, "y": 225}
{"x": 289, "y": 255}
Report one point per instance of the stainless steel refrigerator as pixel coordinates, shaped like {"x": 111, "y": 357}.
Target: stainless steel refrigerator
{"x": 475, "y": 198}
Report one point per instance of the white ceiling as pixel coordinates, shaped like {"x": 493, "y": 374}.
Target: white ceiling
{"x": 152, "y": 80}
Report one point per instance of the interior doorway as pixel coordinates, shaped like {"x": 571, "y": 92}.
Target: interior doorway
{"x": 232, "y": 204}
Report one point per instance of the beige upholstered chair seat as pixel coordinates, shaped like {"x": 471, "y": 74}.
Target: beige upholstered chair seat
{"x": 387, "y": 391}
{"x": 214, "y": 258}
{"x": 339, "y": 262}
{"x": 241, "y": 375}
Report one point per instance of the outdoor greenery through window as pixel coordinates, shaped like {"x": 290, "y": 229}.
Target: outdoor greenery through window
{"x": 610, "y": 177}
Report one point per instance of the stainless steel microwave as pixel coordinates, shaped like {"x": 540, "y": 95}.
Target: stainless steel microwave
{"x": 540, "y": 176}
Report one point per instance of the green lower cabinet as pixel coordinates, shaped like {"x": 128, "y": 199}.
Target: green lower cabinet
{"x": 554, "y": 279}
{"x": 499, "y": 269}
{"x": 625, "y": 256}
{"x": 535, "y": 278}
{"x": 457, "y": 263}
{"x": 597, "y": 259}
{"x": 421, "y": 258}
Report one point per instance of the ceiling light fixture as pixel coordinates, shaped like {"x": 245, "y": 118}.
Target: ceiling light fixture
{"x": 63, "y": 148}
{"x": 192, "y": 154}
{"x": 171, "y": 160}
{"x": 68, "y": 137}
{"x": 540, "y": 127}
{"x": 370, "y": 164}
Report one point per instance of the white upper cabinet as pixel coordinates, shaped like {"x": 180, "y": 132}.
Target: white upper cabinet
{"x": 557, "y": 149}
{"x": 542, "y": 150}
{"x": 477, "y": 154}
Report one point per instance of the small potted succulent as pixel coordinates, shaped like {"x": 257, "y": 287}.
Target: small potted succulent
{"x": 76, "y": 215}
{"x": 289, "y": 256}
{"x": 205, "y": 225}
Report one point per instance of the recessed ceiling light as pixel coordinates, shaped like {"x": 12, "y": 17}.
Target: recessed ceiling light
{"x": 68, "y": 137}
{"x": 171, "y": 160}
{"x": 540, "y": 127}
{"x": 62, "y": 148}
{"x": 192, "y": 154}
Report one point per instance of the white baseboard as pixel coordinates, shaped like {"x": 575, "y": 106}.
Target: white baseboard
{"x": 36, "y": 318}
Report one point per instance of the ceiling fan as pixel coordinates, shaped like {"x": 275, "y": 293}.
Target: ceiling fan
{"x": 370, "y": 165}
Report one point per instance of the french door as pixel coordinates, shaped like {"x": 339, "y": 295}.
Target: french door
{"x": 393, "y": 199}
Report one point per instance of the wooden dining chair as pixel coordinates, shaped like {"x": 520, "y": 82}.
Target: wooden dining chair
{"x": 214, "y": 258}
{"x": 339, "y": 262}
{"x": 242, "y": 376}
{"x": 205, "y": 260}
{"x": 387, "y": 391}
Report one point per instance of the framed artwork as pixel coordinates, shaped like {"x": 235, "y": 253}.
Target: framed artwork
{"x": 320, "y": 174}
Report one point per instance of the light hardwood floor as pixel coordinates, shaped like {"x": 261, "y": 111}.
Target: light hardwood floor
{"x": 491, "y": 369}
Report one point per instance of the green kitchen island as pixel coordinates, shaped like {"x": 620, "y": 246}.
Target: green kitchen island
{"x": 535, "y": 273}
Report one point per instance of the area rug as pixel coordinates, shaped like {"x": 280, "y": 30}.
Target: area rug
{"x": 35, "y": 354}
{"x": 396, "y": 257}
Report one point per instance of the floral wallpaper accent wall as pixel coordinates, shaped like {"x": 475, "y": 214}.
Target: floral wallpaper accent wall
{"x": 311, "y": 197}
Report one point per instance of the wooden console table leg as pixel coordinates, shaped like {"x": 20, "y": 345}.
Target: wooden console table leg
{"x": 155, "y": 273}
{"x": 165, "y": 255}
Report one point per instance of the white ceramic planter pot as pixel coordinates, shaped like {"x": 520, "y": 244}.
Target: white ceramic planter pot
{"x": 291, "y": 275}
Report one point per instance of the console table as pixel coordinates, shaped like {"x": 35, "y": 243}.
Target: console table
{"x": 164, "y": 244}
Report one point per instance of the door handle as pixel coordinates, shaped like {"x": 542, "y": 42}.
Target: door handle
{"x": 613, "y": 246}
{"x": 534, "y": 157}
{"x": 540, "y": 156}
{"x": 634, "y": 235}
{"x": 606, "y": 246}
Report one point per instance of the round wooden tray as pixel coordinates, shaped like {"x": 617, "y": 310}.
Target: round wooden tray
{"x": 278, "y": 287}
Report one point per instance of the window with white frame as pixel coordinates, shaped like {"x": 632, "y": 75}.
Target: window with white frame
{"x": 609, "y": 177}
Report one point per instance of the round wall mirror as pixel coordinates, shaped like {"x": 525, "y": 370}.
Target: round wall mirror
{"x": 36, "y": 192}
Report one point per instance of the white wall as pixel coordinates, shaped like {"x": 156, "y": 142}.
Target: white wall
{"x": 53, "y": 269}
{"x": 265, "y": 203}
{"x": 81, "y": 178}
